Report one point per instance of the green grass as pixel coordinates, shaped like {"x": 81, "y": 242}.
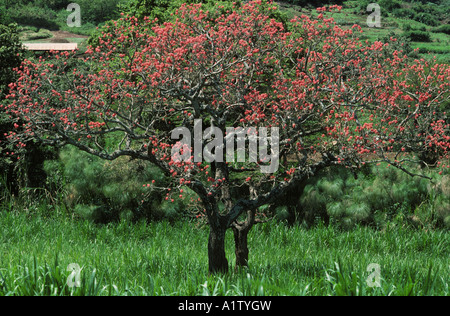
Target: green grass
{"x": 171, "y": 259}
{"x": 32, "y": 34}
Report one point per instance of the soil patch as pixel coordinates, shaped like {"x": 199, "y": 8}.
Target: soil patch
{"x": 65, "y": 35}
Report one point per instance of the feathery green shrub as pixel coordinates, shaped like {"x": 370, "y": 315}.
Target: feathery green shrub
{"x": 375, "y": 198}
{"x": 105, "y": 191}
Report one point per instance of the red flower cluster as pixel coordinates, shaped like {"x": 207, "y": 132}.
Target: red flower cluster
{"x": 327, "y": 91}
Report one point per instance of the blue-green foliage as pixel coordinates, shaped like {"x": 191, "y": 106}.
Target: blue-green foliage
{"x": 383, "y": 195}
{"x": 442, "y": 29}
{"x": 417, "y": 36}
{"x": 105, "y": 191}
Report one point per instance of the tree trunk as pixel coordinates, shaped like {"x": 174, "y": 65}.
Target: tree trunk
{"x": 241, "y": 230}
{"x": 218, "y": 262}
{"x": 241, "y": 245}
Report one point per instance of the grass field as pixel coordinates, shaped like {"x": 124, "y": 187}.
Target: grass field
{"x": 171, "y": 259}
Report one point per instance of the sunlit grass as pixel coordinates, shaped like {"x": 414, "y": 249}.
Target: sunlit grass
{"x": 171, "y": 259}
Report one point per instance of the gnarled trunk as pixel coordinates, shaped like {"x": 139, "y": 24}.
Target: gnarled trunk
{"x": 218, "y": 262}
{"x": 241, "y": 230}
{"x": 241, "y": 245}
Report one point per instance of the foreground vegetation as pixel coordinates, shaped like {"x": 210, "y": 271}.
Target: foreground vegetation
{"x": 170, "y": 259}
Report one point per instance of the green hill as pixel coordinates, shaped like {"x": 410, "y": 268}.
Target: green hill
{"x": 422, "y": 24}
{"x": 419, "y": 24}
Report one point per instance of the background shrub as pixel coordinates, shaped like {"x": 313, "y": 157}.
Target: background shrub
{"x": 442, "y": 29}
{"x": 5, "y": 17}
{"x": 404, "y": 13}
{"x": 440, "y": 202}
{"x": 426, "y": 18}
{"x": 11, "y": 55}
{"x": 418, "y": 36}
{"x": 376, "y": 197}
{"x": 105, "y": 191}
{"x": 52, "y": 14}
{"x": 99, "y": 11}
{"x": 30, "y": 14}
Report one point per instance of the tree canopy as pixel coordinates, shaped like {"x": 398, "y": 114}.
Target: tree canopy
{"x": 329, "y": 98}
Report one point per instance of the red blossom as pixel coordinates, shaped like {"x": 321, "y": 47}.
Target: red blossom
{"x": 335, "y": 98}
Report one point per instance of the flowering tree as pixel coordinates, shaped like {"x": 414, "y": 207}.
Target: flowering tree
{"x": 327, "y": 98}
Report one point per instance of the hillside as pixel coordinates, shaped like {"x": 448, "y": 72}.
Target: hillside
{"x": 423, "y": 24}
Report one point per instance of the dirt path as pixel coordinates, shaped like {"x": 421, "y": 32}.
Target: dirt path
{"x": 62, "y": 36}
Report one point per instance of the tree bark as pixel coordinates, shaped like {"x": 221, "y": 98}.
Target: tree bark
{"x": 240, "y": 231}
{"x": 218, "y": 225}
{"x": 241, "y": 246}
{"x": 218, "y": 262}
